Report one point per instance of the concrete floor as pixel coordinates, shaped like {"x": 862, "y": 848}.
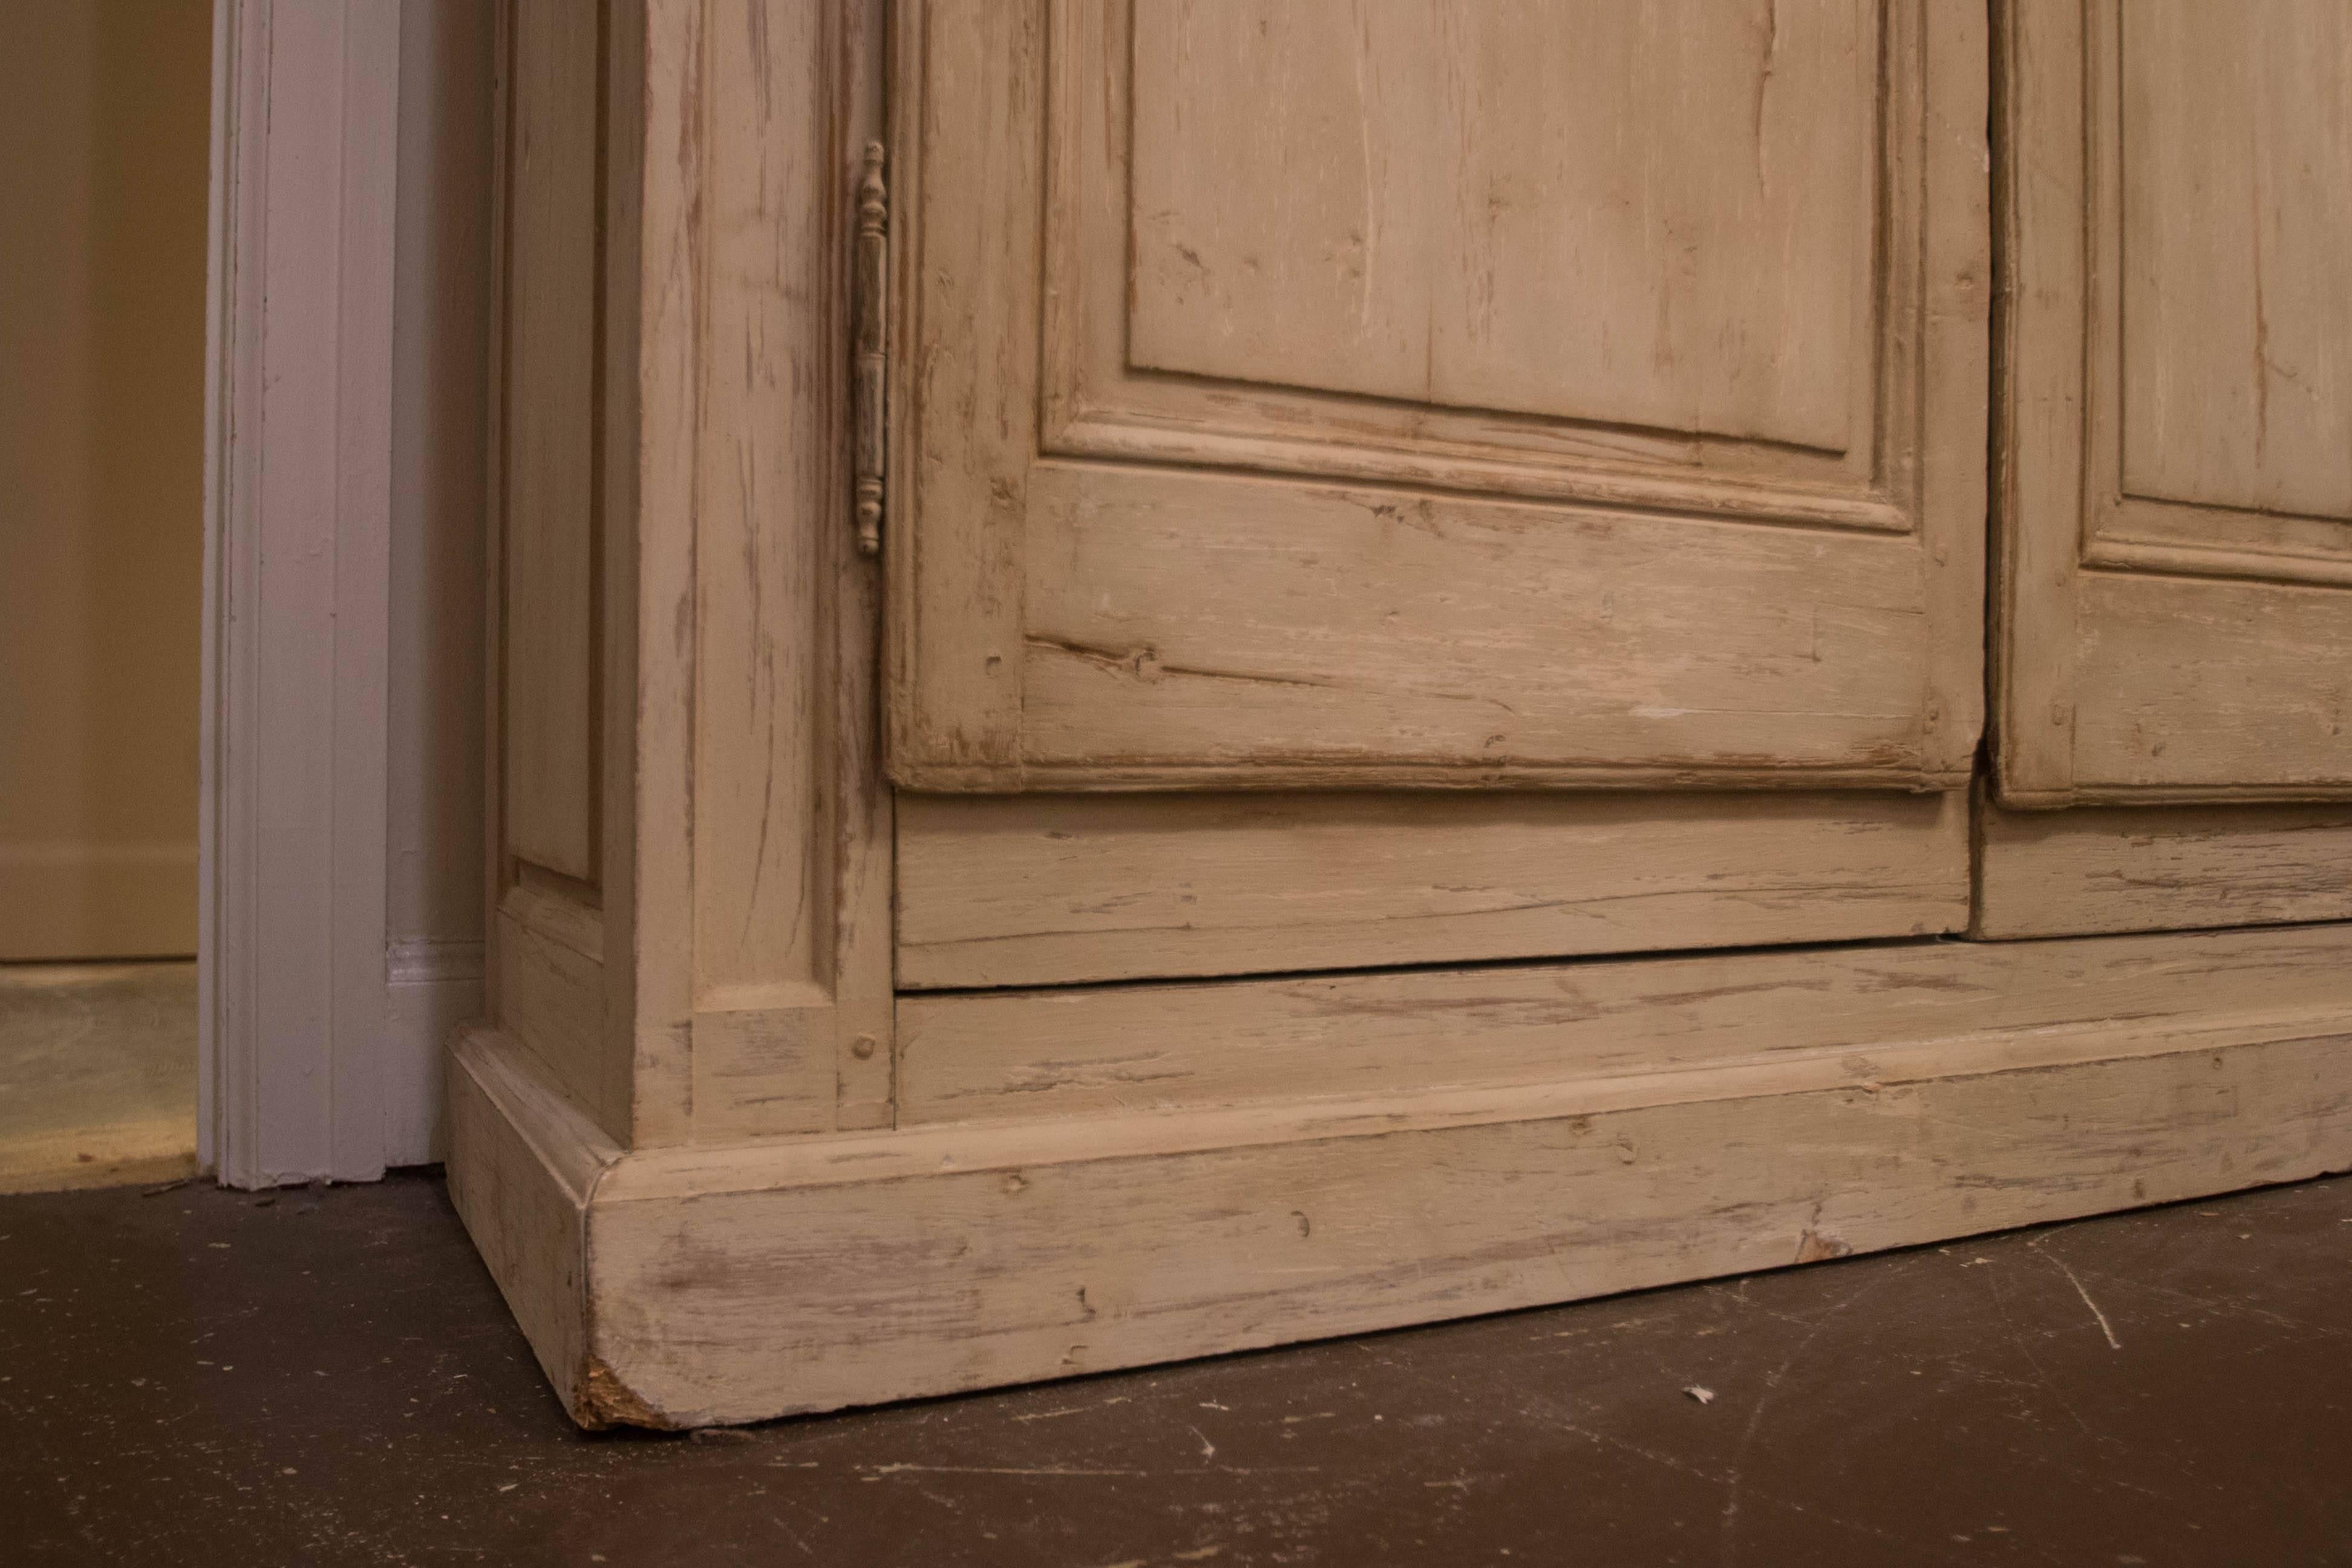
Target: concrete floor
{"x": 198, "y": 1376}
{"x": 97, "y": 1074}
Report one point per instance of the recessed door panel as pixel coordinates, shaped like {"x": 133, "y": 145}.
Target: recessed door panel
{"x": 1518, "y": 207}
{"x": 2233, "y": 154}
{"x": 548, "y": 461}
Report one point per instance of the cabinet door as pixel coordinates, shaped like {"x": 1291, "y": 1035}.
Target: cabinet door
{"x": 2175, "y": 461}
{"x": 1301, "y": 393}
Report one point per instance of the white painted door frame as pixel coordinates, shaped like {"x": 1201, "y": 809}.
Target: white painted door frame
{"x": 298, "y": 435}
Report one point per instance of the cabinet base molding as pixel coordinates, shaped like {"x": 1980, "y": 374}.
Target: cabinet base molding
{"x": 710, "y": 1284}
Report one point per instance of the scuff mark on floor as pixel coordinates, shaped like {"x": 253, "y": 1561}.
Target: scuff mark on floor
{"x": 2106, "y": 1327}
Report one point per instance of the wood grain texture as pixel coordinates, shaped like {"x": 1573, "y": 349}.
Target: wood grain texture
{"x": 524, "y": 1164}
{"x": 1954, "y": 374}
{"x": 865, "y": 1270}
{"x": 1453, "y": 641}
{"x": 2221, "y": 340}
{"x": 1595, "y": 198}
{"x": 762, "y": 1070}
{"x": 562, "y": 920}
{"x": 741, "y": 892}
{"x": 2172, "y": 620}
{"x": 2161, "y": 868}
{"x": 1078, "y": 625}
{"x": 762, "y": 587}
{"x": 861, "y": 803}
{"x": 2235, "y": 149}
{"x": 971, "y": 349}
{"x": 547, "y": 958}
{"x": 1284, "y": 181}
{"x": 1139, "y": 1050}
{"x": 1110, "y": 575}
{"x": 655, "y": 1066}
{"x": 2039, "y": 399}
{"x": 2212, "y": 690}
{"x": 760, "y": 829}
{"x": 1053, "y": 889}
{"x": 791, "y": 823}
{"x": 549, "y": 516}
{"x": 672, "y": 288}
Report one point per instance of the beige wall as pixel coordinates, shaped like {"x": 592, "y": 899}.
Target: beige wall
{"x": 104, "y": 111}
{"x": 104, "y": 107}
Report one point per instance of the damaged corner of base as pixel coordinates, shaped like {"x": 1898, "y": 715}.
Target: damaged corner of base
{"x": 601, "y": 1401}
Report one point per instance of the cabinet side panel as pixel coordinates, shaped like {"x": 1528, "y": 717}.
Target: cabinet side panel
{"x": 564, "y": 503}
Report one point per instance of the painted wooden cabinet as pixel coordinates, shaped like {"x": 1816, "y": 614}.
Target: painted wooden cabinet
{"x": 1182, "y": 674}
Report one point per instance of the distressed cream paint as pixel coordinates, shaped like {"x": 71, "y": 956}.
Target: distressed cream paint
{"x": 1427, "y": 651}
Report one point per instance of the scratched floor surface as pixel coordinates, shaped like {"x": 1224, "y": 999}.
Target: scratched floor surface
{"x": 200, "y": 1377}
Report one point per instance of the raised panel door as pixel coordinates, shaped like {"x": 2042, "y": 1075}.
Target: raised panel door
{"x": 1430, "y": 394}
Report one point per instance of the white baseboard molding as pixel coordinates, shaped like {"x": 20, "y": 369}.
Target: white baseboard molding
{"x": 430, "y": 988}
{"x": 702, "y": 1285}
